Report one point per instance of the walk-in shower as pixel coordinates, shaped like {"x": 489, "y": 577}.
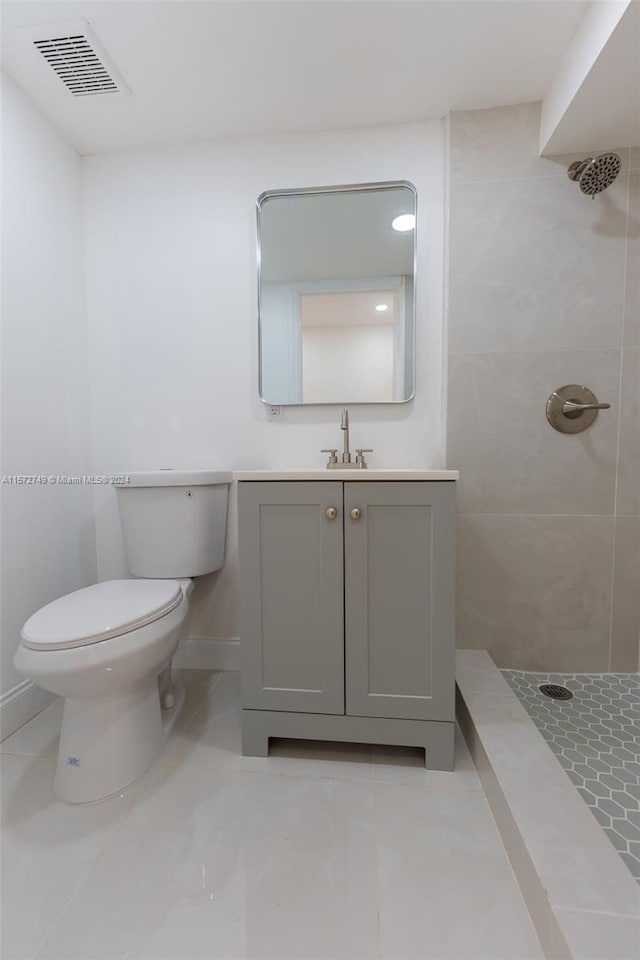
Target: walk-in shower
{"x": 594, "y": 735}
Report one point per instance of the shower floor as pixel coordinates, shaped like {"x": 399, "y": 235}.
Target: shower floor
{"x": 596, "y": 738}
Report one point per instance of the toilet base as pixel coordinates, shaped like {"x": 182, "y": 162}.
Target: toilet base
{"x": 107, "y": 743}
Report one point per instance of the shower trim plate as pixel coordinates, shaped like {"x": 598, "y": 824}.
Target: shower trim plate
{"x": 573, "y": 408}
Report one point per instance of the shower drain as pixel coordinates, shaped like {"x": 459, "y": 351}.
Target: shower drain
{"x": 555, "y": 691}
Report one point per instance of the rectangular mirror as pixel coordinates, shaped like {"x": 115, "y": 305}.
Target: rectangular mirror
{"x": 336, "y": 279}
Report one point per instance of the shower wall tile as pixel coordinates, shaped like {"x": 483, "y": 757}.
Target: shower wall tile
{"x": 628, "y": 498}
{"x": 497, "y": 144}
{"x": 544, "y": 291}
{"x": 535, "y": 591}
{"x": 625, "y": 632}
{"x": 502, "y": 143}
{"x": 511, "y": 460}
{"x": 536, "y": 265}
{"x": 632, "y": 277}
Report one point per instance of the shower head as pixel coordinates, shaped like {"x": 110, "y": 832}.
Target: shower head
{"x": 595, "y": 173}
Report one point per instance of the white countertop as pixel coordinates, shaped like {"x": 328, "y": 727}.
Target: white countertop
{"x": 393, "y": 473}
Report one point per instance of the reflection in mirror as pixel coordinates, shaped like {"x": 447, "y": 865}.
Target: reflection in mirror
{"x": 336, "y": 294}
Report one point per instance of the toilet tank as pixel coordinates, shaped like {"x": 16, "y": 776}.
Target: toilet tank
{"x": 174, "y": 521}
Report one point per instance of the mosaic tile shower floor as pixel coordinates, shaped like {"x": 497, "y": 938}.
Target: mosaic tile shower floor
{"x": 596, "y": 738}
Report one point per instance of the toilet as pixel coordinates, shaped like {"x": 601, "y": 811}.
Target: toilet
{"x": 107, "y": 648}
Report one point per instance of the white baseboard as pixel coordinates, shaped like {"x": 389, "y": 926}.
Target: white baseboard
{"x": 208, "y": 653}
{"x": 20, "y": 705}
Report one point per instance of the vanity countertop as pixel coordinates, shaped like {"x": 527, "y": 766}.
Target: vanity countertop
{"x": 392, "y": 473}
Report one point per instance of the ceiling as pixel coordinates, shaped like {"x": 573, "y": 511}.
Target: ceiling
{"x": 349, "y": 309}
{"x": 604, "y": 111}
{"x": 208, "y": 70}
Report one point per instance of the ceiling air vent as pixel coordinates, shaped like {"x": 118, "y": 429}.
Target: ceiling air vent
{"x": 75, "y": 54}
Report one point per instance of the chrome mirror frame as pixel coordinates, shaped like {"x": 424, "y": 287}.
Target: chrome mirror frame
{"x": 337, "y": 189}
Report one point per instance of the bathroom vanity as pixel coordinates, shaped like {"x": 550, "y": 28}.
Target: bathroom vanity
{"x": 347, "y": 619}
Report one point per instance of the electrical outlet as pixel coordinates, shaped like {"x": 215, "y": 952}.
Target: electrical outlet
{"x": 274, "y": 413}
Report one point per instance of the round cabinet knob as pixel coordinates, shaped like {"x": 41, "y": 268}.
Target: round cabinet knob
{"x": 356, "y": 513}
{"x": 331, "y": 513}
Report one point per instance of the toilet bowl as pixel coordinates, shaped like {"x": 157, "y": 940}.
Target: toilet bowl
{"x": 107, "y": 648}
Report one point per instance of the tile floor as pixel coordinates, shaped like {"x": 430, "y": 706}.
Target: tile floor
{"x": 595, "y": 737}
{"x": 319, "y": 851}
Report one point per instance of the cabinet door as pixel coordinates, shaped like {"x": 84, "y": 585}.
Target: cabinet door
{"x": 291, "y": 596}
{"x": 399, "y": 624}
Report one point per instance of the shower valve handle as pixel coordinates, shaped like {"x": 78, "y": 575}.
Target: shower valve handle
{"x": 573, "y": 408}
{"x": 570, "y": 407}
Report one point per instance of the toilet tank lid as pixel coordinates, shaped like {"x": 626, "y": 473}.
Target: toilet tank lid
{"x": 173, "y": 478}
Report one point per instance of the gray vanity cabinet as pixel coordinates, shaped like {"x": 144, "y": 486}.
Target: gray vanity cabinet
{"x": 291, "y": 596}
{"x": 347, "y": 612}
{"x": 399, "y": 599}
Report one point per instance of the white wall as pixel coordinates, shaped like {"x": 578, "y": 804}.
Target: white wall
{"x": 280, "y": 343}
{"x": 354, "y": 361}
{"x": 171, "y": 286}
{"x": 48, "y": 544}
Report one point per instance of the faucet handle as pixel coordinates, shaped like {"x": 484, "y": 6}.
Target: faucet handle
{"x": 333, "y": 455}
{"x": 360, "y": 452}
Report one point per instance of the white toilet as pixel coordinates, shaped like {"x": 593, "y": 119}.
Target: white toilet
{"x": 107, "y": 648}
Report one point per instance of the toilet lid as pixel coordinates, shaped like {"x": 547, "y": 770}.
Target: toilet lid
{"x": 99, "y": 612}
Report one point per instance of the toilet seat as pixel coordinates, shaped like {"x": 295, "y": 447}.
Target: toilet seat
{"x": 99, "y": 612}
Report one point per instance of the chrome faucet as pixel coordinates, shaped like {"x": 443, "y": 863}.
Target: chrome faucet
{"x": 345, "y": 463}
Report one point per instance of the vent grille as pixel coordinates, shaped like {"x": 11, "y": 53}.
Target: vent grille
{"x": 78, "y": 65}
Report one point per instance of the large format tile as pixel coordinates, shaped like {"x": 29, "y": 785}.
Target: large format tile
{"x": 535, "y": 591}
{"x": 476, "y": 673}
{"x": 204, "y": 859}
{"x": 510, "y": 459}
{"x": 47, "y": 849}
{"x": 509, "y": 737}
{"x": 628, "y": 493}
{"x": 600, "y": 936}
{"x": 536, "y": 265}
{"x": 573, "y": 872}
{"x": 198, "y": 685}
{"x": 632, "y": 281}
{"x": 215, "y": 863}
{"x": 406, "y": 765}
{"x": 63, "y": 840}
{"x": 502, "y": 143}
{"x": 214, "y": 739}
{"x": 39, "y": 737}
{"x": 456, "y": 880}
{"x": 497, "y": 144}
{"x": 625, "y": 620}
